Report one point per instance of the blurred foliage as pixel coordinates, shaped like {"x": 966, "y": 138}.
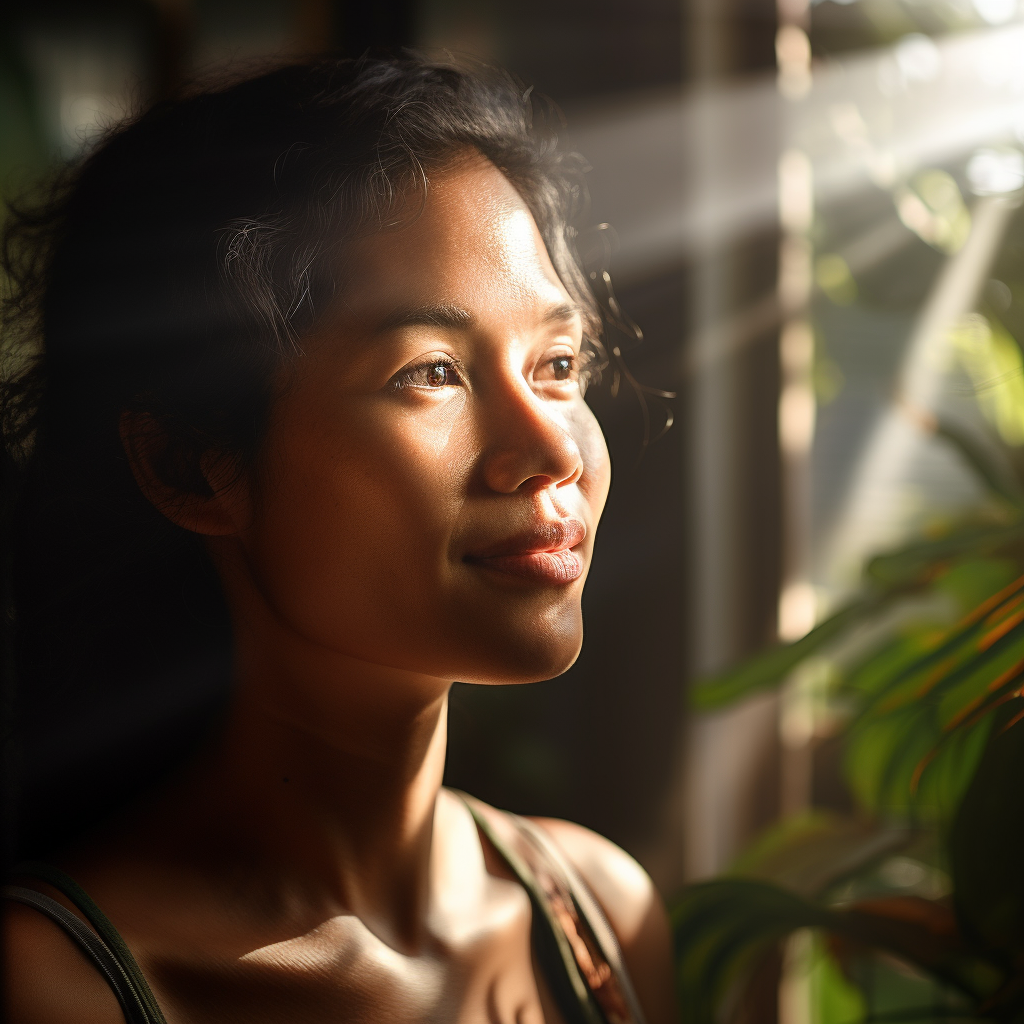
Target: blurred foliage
{"x": 844, "y": 26}
{"x": 935, "y": 760}
{"x": 930, "y": 204}
{"x": 910, "y": 908}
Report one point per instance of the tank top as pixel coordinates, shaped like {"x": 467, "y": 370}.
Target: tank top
{"x": 572, "y": 940}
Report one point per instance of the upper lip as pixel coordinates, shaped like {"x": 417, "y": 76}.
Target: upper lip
{"x": 544, "y": 535}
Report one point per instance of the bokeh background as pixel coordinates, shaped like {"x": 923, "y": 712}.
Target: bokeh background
{"x": 808, "y": 199}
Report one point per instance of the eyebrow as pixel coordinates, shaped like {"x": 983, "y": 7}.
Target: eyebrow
{"x": 451, "y": 317}
{"x": 441, "y": 315}
{"x": 562, "y": 313}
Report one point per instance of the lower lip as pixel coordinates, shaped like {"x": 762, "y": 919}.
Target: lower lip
{"x": 539, "y": 566}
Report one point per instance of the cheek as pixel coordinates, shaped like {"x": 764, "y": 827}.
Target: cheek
{"x": 357, "y": 523}
{"x": 352, "y": 546}
{"x": 597, "y": 471}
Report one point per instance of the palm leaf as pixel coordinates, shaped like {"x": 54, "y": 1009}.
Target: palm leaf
{"x": 917, "y": 563}
{"x": 721, "y": 927}
{"x": 981, "y": 459}
{"x": 772, "y": 667}
{"x": 813, "y": 852}
{"x": 987, "y": 847}
{"x": 925, "y": 708}
{"x": 966, "y": 647}
{"x": 889, "y": 577}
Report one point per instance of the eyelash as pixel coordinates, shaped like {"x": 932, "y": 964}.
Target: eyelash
{"x": 404, "y": 380}
{"x": 580, "y": 364}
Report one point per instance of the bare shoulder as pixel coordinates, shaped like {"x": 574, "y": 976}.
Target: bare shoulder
{"x": 634, "y": 910}
{"x": 622, "y": 887}
{"x": 47, "y": 978}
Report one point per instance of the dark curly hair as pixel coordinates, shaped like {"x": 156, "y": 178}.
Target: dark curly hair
{"x": 170, "y": 274}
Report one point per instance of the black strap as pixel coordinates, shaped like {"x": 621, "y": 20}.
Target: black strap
{"x": 117, "y": 947}
{"x": 90, "y": 944}
{"x": 111, "y": 955}
{"x": 566, "y": 983}
{"x": 551, "y": 944}
{"x": 591, "y": 913}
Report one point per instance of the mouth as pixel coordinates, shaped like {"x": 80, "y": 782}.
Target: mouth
{"x": 547, "y": 553}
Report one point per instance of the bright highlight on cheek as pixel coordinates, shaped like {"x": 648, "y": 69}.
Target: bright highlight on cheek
{"x": 434, "y": 443}
{"x": 587, "y": 434}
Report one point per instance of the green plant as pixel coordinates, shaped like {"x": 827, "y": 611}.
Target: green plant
{"x": 932, "y": 730}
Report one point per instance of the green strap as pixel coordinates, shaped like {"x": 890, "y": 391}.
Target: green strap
{"x": 106, "y": 931}
{"x": 570, "y": 971}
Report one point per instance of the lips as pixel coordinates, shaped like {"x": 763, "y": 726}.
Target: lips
{"x": 545, "y": 553}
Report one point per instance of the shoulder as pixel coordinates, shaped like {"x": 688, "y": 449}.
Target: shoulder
{"x": 633, "y": 907}
{"x": 46, "y": 976}
{"x": 622, "y": 887}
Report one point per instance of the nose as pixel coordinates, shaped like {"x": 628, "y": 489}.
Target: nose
{"x": 527, "y": 448}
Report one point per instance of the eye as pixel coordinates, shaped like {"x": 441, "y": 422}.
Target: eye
{"x": 562, "y": 366}
{"x": 559, "y": 368}
{"x": 437, "y": 375}
{"x": 433, "y": 374}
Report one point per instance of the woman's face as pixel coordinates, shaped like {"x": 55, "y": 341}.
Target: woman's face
{"x": 433, "y": 479}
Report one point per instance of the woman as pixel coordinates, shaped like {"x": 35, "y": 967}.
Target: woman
{"x": 326, "y": 328}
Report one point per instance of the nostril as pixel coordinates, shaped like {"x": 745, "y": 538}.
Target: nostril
{"x": 536, "y": 483}
{"x": 533, "y": 452}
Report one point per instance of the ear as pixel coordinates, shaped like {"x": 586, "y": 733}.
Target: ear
{"x": 216, "y": 505}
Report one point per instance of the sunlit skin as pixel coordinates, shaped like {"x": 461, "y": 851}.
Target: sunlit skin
{"x": 424, "y": 510}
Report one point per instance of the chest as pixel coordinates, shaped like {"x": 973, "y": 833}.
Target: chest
{"x": 339, "y": 972}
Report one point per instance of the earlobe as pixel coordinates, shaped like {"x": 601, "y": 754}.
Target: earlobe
{"x": 210, "y": 506}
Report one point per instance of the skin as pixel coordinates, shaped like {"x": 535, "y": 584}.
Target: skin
{"x": 311, "y": 866}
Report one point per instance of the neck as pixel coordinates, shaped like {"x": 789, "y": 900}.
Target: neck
{"x": 326, "y": 780}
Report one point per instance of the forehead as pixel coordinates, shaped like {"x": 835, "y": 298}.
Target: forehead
{"x": 473, "y": 241}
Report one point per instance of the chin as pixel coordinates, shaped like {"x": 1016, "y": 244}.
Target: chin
{"x": 528, "y": 659}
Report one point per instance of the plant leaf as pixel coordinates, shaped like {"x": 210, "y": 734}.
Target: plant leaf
{"x": 720, "y": 928}
{"x": 912, "y": 568}
{"x": 986, "y": 845}
{"x": 774, "y": 665}
{"x": 815, "y": 851}
{"x": 982, "y": 460}
{"x": 916, "y": 563}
